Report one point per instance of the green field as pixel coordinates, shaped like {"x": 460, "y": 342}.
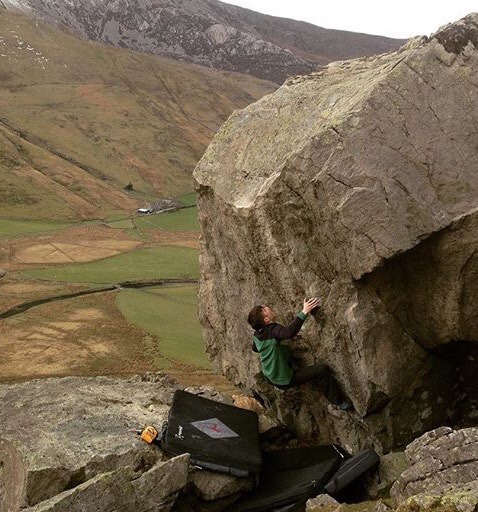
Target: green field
{"x": 170, "y": 315}
{"x": 185, "y": 219}
{"x": 188, "y": 199}
{"x": 9, "y": 227}
{"x": 150, "y": 263}
{"x": 121, "y": 224}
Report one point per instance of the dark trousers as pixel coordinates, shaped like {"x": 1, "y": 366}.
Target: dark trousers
{"x": 321, "y": 374}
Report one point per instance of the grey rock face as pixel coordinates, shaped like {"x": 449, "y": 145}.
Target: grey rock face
{"x": 439, "y": 461}
{"x": 323, "y": 500}
{"x": 214, "y": 486}
{"x": 209, "y": 33}
{"x": 391, "y": 466}
{"x": 357, "y": 184}
{"x": 65, "y": 442}
{"x": 123, "y": 490}
{"x": 459, "y": 498}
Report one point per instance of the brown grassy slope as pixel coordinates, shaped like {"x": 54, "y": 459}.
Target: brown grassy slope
{"x": 86, "y": 336}
{"x": 79, "y": 121}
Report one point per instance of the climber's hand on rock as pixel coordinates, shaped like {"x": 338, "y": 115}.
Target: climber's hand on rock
{"x": 310, "y": 304}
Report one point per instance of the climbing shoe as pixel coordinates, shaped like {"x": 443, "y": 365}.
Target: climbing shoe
{"x": 345, "y": 406}
{"x": 342, "y": 406}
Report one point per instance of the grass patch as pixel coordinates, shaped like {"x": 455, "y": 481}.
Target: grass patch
{"x": 185, "y": 219}
{"x": 150, "y": 263}
{"x": 170, "y": 315}
{"x": 121, "y": 224}
{"x": 188, "y": 199}
{"x": 9, "y": 227}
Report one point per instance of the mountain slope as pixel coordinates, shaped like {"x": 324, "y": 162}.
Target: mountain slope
{"x": 209, "y": 32}
{"x": 79, "y": 121}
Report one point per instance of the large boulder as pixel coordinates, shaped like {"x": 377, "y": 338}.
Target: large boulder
{"x": 66, "y": 445}
{"x": 358, "y": 184}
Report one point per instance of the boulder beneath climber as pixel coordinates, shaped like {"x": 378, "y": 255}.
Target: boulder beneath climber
{"x": 358, "y": 184}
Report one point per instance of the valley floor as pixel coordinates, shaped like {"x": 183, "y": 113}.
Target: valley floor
{"x": 117, "y": 331}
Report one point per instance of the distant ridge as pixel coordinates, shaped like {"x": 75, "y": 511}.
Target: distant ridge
{"x": 210, "y": 33}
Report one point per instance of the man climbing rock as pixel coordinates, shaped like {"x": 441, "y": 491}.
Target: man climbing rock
{"x": 275, "y": 357}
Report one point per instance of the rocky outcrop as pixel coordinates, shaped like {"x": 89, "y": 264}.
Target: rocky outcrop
{"x": 210, "y": 33}
{"x": 66, "y": 445}
{"x": 443, "y": 469}
{"x": 456, "y": 499}
{"x": 390, "y": 467}
{"x": 63, "y": 442}
{"x": 357, "y": 184}
{"x": 320, "y": 502}
{"x": 123, "y": 490}
{"x": 441, "y": 477}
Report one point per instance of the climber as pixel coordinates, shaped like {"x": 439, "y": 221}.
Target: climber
{"x": 275, "y": 357}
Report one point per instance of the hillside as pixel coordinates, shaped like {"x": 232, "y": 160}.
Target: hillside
{"x": 210, "y": 33}
{"x": 79, "y": 121}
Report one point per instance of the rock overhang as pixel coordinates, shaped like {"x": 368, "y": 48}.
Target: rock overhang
{"x": 295, "y": 124}
{"x": 288, "y": 122}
